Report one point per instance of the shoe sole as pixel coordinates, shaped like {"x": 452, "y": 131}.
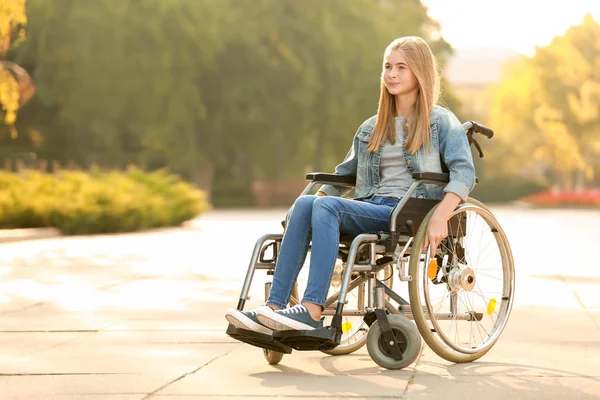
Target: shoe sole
{"x": 239, "y": 320}
{"x": 278, "y": 322}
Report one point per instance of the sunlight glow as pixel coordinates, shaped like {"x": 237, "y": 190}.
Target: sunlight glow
{"x": 519, "y": 25}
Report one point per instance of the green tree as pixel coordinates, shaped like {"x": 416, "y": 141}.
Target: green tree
{"x": 228, "y": 91}
{"x": 547, "y": 107}
{"x": 121, "y": 77}
{"x": 16, "y": 87}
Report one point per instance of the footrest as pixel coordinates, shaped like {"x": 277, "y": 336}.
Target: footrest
{"x": 325, "y": 338}
{"x": 257, "y": 339}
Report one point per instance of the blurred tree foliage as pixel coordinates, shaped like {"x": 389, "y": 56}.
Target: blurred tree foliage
{"x": 221, "y": 91}
{"x": 15, "y": 84}
{"x": 548, "y": 109}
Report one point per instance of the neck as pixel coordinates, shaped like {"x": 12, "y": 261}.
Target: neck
{"x": 405, "y": 102}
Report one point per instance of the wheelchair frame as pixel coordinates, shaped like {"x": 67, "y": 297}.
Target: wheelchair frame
{"x": 366, "y": 245}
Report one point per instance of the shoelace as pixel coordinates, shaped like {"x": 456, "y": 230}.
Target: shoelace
{"x": 297, "y": 309}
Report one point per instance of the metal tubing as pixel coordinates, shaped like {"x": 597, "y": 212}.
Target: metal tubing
{"x": 253, "y": 262}
{"x": 408, "y": 242}
{"x": 379, "y": 299}
{"x": 397, "y": 298}
{"x": 267, "y": 290}
{"x": 308, "y": 188}
{"x": 260, "y": 265}
{"x": 331, "y": 299}
{"x": 345, "y": 312}
{"x": 363, "y": 268}
{"x": 447, "y": 317}
{"x": 373, "y": 254}
{"x": 365, "y": 237}
{"x": 370, "y": 290}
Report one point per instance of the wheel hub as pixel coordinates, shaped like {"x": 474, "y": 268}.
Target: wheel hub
{"x": 468, "y": 279}
{"x": 462, "y": 278}
{"x": 401, "y": 339}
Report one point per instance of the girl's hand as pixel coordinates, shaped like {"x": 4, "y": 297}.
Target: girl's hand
{"x": 437, "y": 229}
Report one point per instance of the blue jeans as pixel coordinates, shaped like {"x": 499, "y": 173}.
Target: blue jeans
{"x": 322, "y": 219}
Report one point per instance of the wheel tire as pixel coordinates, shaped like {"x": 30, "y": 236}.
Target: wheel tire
{"x": 405, "y": 332}
{"x": 273, "y": 357}
{"x": 414, "y": 291}
{"x": 479, "y": 204}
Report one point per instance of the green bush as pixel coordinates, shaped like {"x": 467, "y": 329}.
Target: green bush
{"x": 96, "y": 201}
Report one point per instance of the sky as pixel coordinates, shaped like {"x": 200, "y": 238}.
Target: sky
{"x": 519, "y": 25}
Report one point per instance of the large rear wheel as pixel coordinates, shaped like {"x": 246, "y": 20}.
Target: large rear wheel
{"x": 461, "y": 299}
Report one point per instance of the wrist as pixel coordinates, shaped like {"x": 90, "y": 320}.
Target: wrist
{"x": 446, "y": 206}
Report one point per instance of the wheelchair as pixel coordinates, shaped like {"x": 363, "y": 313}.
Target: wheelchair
{"x": 459, "y": 301}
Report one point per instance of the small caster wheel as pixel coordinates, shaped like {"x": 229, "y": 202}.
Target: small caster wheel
{"x": 407, "y": 336}
{"x": 273, "y": 357}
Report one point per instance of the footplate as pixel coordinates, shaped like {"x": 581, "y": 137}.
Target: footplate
{"x": 257, "y": 339}
{"x": 325, "y": 338}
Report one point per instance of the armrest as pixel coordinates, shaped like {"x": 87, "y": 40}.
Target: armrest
{"x": 432, "y": 176}
{"x": 332, "y": 179}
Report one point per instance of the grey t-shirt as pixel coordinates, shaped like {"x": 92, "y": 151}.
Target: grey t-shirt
{"x": 395, "y": 176}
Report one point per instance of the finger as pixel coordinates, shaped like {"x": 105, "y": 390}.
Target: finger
{"x": 433, "y": 248}
{"x": 425, "y": 243}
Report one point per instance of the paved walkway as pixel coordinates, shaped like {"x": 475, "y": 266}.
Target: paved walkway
{"x": 141, "y": 316}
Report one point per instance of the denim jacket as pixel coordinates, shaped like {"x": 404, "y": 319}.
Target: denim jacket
{"x": 448, "y": 138}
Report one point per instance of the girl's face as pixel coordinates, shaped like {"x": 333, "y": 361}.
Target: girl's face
{"x": 398, "y": 78}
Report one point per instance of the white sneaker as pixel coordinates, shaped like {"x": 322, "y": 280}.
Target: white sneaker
{"x": 295, "y": 318}
{"x": 247, "y": 320}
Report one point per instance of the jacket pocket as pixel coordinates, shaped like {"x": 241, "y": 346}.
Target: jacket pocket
{"x": 364, "y": 137}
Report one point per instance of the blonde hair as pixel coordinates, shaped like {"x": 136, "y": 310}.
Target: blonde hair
{"x": 422, "y": 63}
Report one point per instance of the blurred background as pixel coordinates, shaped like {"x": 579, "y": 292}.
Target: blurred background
{"x": 235, "y": 100}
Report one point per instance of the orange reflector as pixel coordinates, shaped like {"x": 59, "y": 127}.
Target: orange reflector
{"x": 491, "y": 306}
{"x": 432, "y": 269}
{"x": 346, "y": 327}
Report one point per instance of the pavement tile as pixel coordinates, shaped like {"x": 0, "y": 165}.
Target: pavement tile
{"x": 589, "y": 295}
{"x": 174, "y": 359}
{"x": 109, "y": 386}
{"x": 176, "y": 323}
{"x": 499, "y": 387}
{"x": 594, "y": 314}
{"x": 49, "y": 317}
{"x": 524, "y": 359}
{"x": 244, "y": 372}
{"x": 536, "y": 342}
{"x": 135, "y": 337}
{"x": 531, "y": 291}
{"x": 96, "y": 396}
{"x": 550, "y": 325}
{"x": 15, "y": 345}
